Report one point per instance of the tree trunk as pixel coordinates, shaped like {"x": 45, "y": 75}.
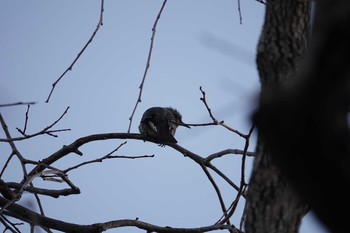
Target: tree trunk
{"x": 305, "y": 127}
{"x": 272, "y": 204}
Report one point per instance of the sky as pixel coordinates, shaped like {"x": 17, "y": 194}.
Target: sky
{"x": 198, "y": 43}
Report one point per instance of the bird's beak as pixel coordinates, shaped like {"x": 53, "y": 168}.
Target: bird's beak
{"x": 184, "y": 124}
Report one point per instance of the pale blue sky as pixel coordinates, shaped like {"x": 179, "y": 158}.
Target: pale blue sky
{"x": 198, "y": 43}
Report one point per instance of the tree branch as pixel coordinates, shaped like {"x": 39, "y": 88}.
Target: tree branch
{"x": 41, "y": 132}
{"x": 108, "y": 156}
{"x": 148, "y": 64}
{"x": 226, "y": 152}
{"x": 46, "y": 192}
{"x": 34, "y": 218}
{"x": 17, "y": 103}
{"x": 100, "y": 23}
{"x": 74, "y": 147}
{"x": 215, "y": 121}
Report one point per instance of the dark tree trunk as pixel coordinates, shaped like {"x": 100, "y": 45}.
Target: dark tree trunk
{"x": 272, "y": 204}
{"x": 305, "y": 127}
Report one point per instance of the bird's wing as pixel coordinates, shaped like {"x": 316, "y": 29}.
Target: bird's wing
{"x": 164, "y": 133}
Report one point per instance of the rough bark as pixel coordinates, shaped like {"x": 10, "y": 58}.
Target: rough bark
{"x": 272, "y": 204}
{"x": 307, "y": 125}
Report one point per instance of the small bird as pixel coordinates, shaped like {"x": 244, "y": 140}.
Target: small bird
{"x": 161, "y": 123}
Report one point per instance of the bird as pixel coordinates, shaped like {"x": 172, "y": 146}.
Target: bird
{"x": 161, "y": 123}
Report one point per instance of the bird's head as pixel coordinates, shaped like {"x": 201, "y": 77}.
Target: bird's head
{"x": 175, "y": 120}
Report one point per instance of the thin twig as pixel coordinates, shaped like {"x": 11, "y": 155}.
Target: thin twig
{"x": 215, "y": 121}
{"x": 17, "y": 103}
{"x": 148, "y": 64}
{"x": 46, "y": 192}
{"x": 202, "y": 124}
{"x": 107, "y": 156}
{"x": 216, "y": 188}
{"x": 6, "y": 164}
{"x": 226, "y": 152}
{"x": 261, "y": 1}
{"x": 220, "y": 173}
{"x": 100, "y": 23}
{"x": 239, "y": 11}
{"x": 12, "y": 144}
{"x": 38, "y": 200}
{"x": 41, "y": 132}
{"x": 27, "y": 136}
{"x": 26, "y": 119}
{"x": 9, "y": 225}
{"x": 243, "y": 184}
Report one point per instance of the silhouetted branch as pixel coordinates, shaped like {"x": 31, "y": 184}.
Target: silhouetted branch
{"x": 108, "y": 156}
{"x": 239, "y": 11}
{"x": 73, "y": 147}
{"x": 6, "y": 164}
{"x": 46, "y": 192}
{"x": 9, "y": 225}
{"x": 261, "y": 1}
{"x": 100, "y": 23}
{"x": 228, "y": 151}
{"x": 167, "y": 229}
{"x": 17, "y": 103}
{"x": 215, "y": 121}
{"x": 41, "y": 132}
{"x": 34, "y": 218}
{"x": 26, "y": 120}
{"x": 6, "y": 191}
{"x": 148, "y": 64}
{"x": 39, "y": 169}
{"x": 243, "y": 183}
{"x": 12, "y": 145}
{"x": 217, "y": 190}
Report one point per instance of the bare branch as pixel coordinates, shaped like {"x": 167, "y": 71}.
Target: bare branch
{"x": 203, "y": 124}
{"x": 6, "y": 191}
{"x": 217, "y": 171}
{"x": 243, "y": 184}
{"x": 41, "y": 132}
{"x": 17, "y": 103}
{"x": 261, "y": 1}
{"x": 26, "y": 119}
{"x": 34, "y": 218}
{"x": 100, "y": 23}
{"x": 12, "y": 145}
{"x": 6, "y": 163}
{"x": 9, "y": 225}
{"x": 239, "y": 11}
{"x": 148, "y": 64}
{"x": 215, "y": 121}
{"x": 108, "y": 156}
{"x": 74, "y": 148}
{"x": 153, "y": 228}
{"x": 226, "y": 152}
{"x": 47, "y": 192}
{"x": 217, "y": 190}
